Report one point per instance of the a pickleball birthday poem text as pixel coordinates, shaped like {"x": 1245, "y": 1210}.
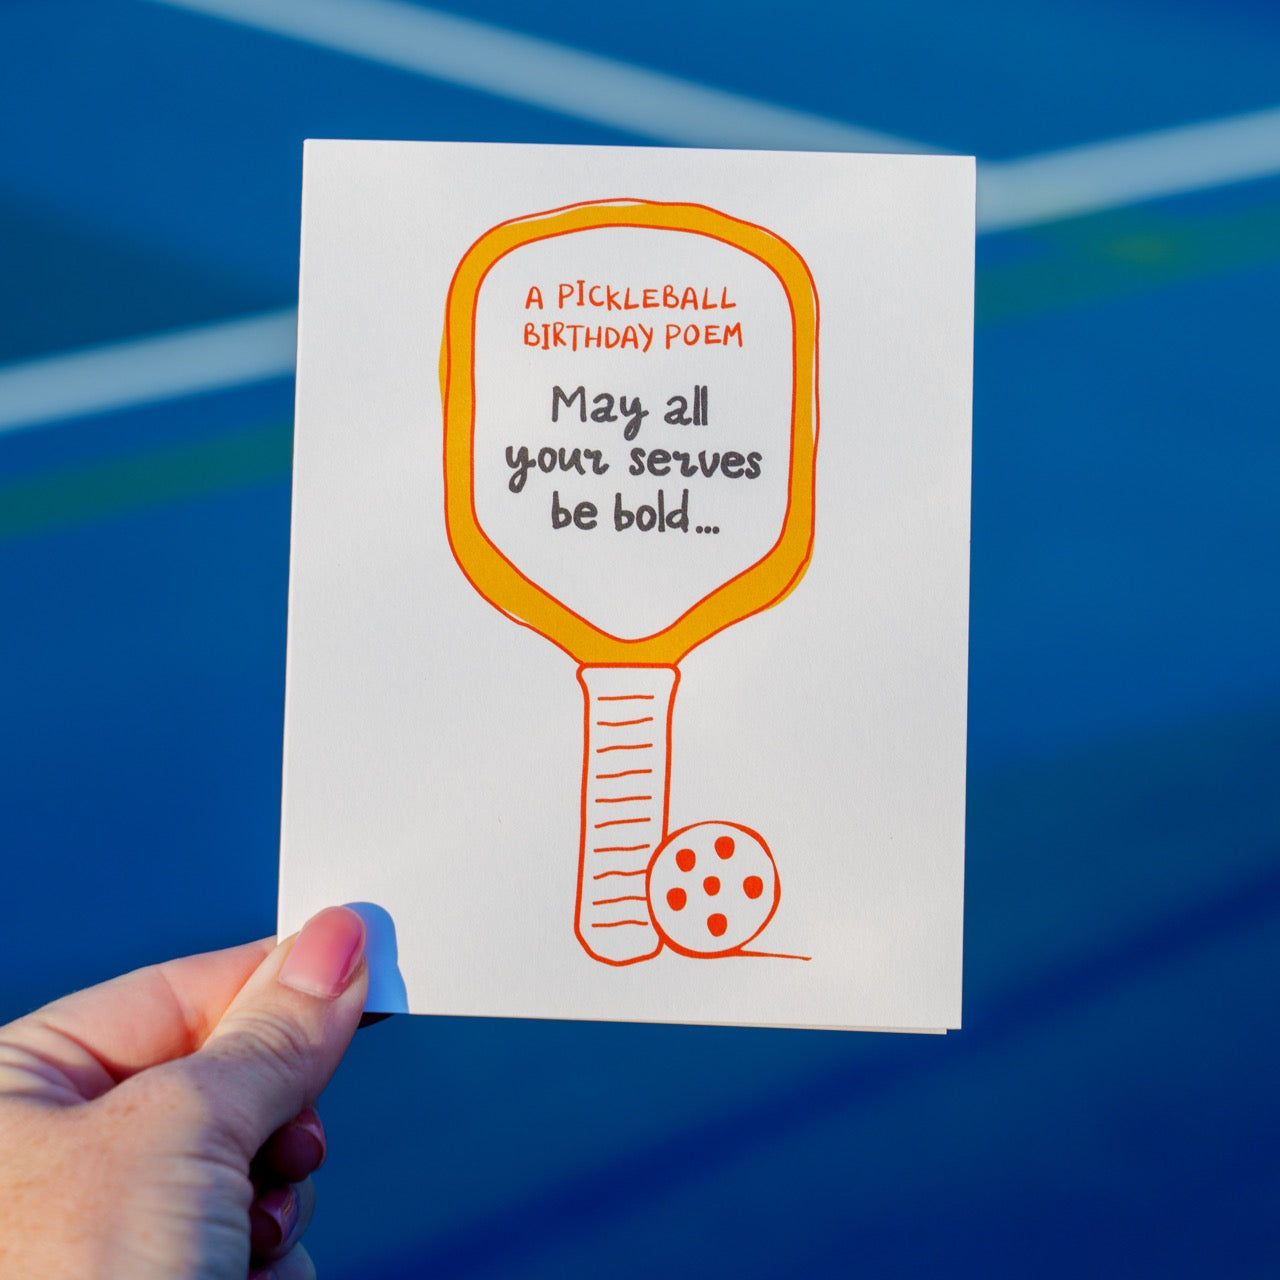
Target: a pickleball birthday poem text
{"x": 659, "y": 451}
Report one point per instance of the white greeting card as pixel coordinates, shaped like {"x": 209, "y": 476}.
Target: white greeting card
{"x": 629, "y": 580}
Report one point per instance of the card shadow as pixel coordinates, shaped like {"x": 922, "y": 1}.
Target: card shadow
{"x": 387, "y": 993}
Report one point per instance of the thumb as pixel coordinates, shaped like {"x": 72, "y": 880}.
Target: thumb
{"x": 282, "y": 1037}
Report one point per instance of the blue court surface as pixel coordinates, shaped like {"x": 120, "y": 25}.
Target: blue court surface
{"x": 1111, "y": 1106}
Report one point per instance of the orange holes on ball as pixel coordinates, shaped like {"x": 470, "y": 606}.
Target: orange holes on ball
{"x": 753, "y": 886}
{"x": 676, "y": 898}
{"x": 686, "y": 858}
{"x": 724, "y": 846}
{"x": 717, "y": 924}
{"x": 712, "y": 885}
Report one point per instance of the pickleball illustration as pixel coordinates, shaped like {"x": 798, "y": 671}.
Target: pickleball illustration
{"x": 712, "y": 887}
{"x": 630, "y": 395}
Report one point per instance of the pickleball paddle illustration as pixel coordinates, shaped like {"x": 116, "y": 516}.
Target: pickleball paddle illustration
{"x": 630, "y": 432}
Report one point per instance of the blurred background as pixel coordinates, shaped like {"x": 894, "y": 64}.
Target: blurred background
{"x": 1111, "y": 1106}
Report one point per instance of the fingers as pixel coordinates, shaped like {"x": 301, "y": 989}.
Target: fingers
{"x": 88, "y": 1042}
{"x": 295, "y": 1265}
{"x": 295, "y": 1151}
{"x": 278, "y": 1218}
{"x": 282, "y": 1037}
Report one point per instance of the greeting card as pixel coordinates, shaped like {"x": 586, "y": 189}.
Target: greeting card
{"x": 628, "y": 588}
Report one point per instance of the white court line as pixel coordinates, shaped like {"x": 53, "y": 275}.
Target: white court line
{"x": 1011, "y": 193}
{"x": 124, "y": 375}
{"x": 542, "y": 73}
{"x": 662, "y": 108}
{"x": 1124, "y": 171}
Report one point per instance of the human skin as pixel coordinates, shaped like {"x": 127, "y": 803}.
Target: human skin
{"x": 161, "y": 1126}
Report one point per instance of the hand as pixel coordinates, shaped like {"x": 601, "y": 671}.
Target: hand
{"x": 160, "y": 1125}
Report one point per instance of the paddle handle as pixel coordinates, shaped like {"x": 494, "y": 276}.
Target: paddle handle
{"x": 626, "y": 773}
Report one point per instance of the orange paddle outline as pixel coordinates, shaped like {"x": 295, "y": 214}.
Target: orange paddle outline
{"x": 755, "y": 588}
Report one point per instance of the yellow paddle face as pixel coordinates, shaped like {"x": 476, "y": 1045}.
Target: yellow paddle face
{"x": 630, "y": 424}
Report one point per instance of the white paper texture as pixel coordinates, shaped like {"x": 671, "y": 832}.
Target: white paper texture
{"x": 434, "y": 746}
